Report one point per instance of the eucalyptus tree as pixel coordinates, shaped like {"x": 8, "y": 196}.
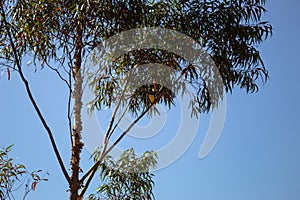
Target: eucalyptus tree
{"x": 61, "y": 34}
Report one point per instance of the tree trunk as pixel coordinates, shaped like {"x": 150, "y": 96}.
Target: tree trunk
{"x": 77, "y": 144}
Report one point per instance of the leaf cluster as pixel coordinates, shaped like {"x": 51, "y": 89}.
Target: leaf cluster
{"x": 126, "y": 178}
{"x": 14, "y": 176}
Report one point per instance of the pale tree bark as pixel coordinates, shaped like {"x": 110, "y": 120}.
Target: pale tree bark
{"x": 77, "y": 144}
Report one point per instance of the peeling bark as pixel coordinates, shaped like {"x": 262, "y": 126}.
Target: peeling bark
{"x": 76, "y": 185}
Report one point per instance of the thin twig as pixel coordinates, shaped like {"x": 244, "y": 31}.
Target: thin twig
{"x": 69, "y": 107}
{"x": 68, "y": 83}
{"x": 59, "y": 74}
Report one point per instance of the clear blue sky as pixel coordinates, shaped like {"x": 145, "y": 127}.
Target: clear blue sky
{"x": 257, "y": 156}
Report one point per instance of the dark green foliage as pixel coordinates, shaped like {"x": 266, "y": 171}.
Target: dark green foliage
{"x": 229, "y": 30}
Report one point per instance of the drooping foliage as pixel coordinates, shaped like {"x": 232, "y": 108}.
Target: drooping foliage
{"x": 229, "y": 30}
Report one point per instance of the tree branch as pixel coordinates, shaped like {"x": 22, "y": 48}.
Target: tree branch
{"x": 119, "y": 120}
{"x": 90, "y": 174}
{"x": 110, "y": 129}
{"x": 29, "y": 93}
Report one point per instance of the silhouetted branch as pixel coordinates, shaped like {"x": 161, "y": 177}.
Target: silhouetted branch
{"x": 29, "y": 93}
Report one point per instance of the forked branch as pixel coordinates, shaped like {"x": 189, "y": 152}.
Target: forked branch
{"x": 90, "y": 174}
